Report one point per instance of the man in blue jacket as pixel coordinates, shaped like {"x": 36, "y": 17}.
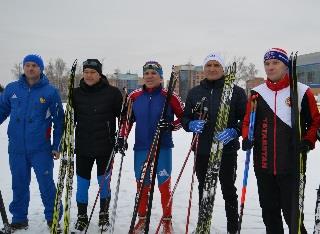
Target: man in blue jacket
{"x": 33, "y": 105}
{"x": 147, "y": 106}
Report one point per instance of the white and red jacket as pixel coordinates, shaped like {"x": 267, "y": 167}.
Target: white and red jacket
{"x": 273, "y": 138}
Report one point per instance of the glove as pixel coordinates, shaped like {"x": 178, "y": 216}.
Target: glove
{"x": 164, "y": 125}
{"x": 196, "y": 126}
{"x": 305, "y": 146}
{"x": 121, "y": 145}
{"x": 247, "y": 144}
{"x": 226, "y": 135}
{"x": 318, "y": 134}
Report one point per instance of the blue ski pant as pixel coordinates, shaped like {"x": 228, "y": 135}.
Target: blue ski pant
{"x": 20, "y": 166}
{"x": 84, "y": 166}
{"x": 164, "y": 165}
{"x": 163, "y": 171}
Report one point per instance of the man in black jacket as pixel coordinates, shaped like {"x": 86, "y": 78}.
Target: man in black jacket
{"x": 273, "y": 154}
{"x": 96, "y": 106}
{"x": 211, "y": 88}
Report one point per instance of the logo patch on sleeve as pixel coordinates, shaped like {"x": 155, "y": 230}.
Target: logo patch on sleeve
{"x": 42, "y": 100}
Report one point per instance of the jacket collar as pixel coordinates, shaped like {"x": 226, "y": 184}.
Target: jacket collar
{"x": 212, "y": 84}
{"x": 281, "y": 84}
{"x": 152, "y": 90}
{"x": 41, "y": 82}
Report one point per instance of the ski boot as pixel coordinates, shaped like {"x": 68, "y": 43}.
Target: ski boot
{"x": 19, "y": 226}
{"x": 104, "y": 223}
{"x": 167, "y": 225}
{"x": 82, "y": 222}
{"x": 141, "y": 224}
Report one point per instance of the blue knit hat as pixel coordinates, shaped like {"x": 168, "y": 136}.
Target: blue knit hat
{"x": 277, "y": 53}
{"x": 36, "y": 59}
{"x": 154, "y": 66}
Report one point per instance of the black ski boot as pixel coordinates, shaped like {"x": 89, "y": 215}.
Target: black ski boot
{"x": 104, "y": 223}
{"x": 82, "y": 221}
{"x": 19, "y": 226}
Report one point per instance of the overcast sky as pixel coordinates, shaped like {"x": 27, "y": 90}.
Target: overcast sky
{"x": 126, "y": 33}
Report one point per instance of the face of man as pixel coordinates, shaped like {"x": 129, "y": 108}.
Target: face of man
{"x": 32, "y": 72}
{"x": 151, "y": 78}
{"x": 91, "y": 76}
{"x": 213, "y": 70}
{"x": 275, "y": 69}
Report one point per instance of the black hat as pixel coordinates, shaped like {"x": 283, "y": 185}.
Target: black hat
{"x": 93, "y": 64}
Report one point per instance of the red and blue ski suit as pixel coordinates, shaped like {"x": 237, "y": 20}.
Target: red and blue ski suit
{"x": 147, "y": 106}
{"x": 32, "y": 111}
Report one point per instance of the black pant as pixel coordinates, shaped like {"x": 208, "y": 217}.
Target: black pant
{"x": 275, "y": 194}
{"x": 84, "y": 166}
{"x": 227, "y": 178}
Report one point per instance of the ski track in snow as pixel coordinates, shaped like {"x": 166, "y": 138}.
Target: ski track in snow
{"x": 252, "y": 221}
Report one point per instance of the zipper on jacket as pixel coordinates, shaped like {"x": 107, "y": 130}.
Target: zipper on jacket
{"x": 149, "y": 117}
{"x": 275, "y": 135}
{"x": 25, "y": 121}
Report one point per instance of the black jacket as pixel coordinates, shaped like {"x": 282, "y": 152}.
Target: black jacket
{"x": 96, "y": 109}
{"x": 273, "y": 152}
{"x": 212, "y": 90}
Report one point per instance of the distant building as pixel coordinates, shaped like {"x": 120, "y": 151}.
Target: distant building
{"x": 127, "y": 80}
{"x": 189, "y": 77}
{"x": 308, "y": 71}
{"x": 250, "y": 84}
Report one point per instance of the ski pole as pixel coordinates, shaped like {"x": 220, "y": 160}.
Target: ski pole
{"x": 247, "y": 161}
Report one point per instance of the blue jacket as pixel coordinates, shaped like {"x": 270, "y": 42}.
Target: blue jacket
{"x": 32, "y": 111}
{"x": 146, "y": 112}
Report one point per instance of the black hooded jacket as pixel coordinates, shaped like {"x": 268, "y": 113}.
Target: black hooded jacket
{"x": 212, "y": 90}
{"x": 96, "y": 108}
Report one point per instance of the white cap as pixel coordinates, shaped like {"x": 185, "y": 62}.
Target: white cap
{"x": 216, "y": 57}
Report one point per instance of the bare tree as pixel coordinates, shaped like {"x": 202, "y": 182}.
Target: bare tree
{"x": 16, "y": 71}
{"x": 60, "y": 69}
{"x": 244, "y": 71}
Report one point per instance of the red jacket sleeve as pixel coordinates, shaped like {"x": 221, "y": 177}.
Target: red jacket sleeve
{"x": 178, "y": 108}
{"x": 311, "y": 133}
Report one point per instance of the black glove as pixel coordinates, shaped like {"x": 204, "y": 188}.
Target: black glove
{"x": 247, "y": 144}
{"x": 318, "y": 134}
{"x": 121, "y": 145}
{"x": 305, "y": 146}
{"x": 164, "y": 125}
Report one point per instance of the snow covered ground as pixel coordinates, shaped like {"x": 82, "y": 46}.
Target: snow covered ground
{"x": 252, "y": 221}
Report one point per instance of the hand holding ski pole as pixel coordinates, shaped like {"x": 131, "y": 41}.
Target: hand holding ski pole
{"x": 196, "y": 126}
{"x": 164, "y": 125}
{"x": 121, "y": 145}
{"x": 226, "y": 135}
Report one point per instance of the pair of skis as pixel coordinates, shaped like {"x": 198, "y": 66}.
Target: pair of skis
{"x": 66, "y": 167}
{"x": 299, "y": 158}
{"x": 211, "y": 179}
{"x": 151, "y": 162}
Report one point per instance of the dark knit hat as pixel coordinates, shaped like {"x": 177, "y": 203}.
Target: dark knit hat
{"x": 93, "y": 64}
{"x": 154, "y": 66}
{"x": 36, "y": 59}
